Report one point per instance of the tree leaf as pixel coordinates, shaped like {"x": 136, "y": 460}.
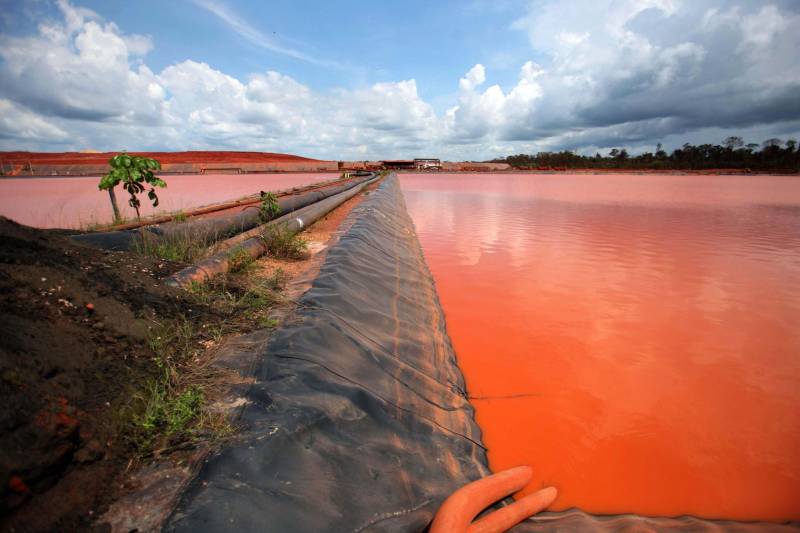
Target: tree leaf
{"x": 133, "y": 171}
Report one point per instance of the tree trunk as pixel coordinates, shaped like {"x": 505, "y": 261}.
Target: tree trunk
{"x": 114, "y": 206}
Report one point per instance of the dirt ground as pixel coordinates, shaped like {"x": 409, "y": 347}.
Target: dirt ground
{"x": 75, "y": 158}
{"x": 73, "y": 338}
{"x": 74, "y": 348}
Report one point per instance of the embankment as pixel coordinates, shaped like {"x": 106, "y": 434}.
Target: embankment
{"x": 199, "y": 162}
{"x": 358, "y": 418}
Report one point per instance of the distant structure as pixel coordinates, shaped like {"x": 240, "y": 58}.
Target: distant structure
{"x": 472, "y": 166}
{"x": 423, "y": 164}
{"x": 427, "y": 164}
{"x": 399, "y": 164}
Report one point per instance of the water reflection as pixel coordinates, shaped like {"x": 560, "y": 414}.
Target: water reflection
{"x": 649, "y": 323}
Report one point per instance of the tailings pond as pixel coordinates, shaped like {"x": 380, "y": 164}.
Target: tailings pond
{"x": 75, "y": 202}
{"x": 634, "y": 338}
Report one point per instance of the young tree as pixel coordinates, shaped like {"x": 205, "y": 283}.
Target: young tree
{"x": 133, "y": 171}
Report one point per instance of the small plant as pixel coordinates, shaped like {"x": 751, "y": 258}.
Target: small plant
{"x": 184, "y": 409}
{"x": 268, "y": 322}
{"x": 168, "y": 407}
{"x": 240, "y": 260}
{"x": 282, "y": 242}
{"x": 133, "y": 172}
{"x": 269, "y": 207}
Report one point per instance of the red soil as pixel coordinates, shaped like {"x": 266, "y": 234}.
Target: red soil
{"x": 78, "y": 158}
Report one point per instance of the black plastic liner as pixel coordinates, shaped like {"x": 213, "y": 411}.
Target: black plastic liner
{"x": 358, "y": 419}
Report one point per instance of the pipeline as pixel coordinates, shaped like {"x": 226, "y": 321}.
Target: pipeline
{"x": 251, "y": 243}
{"x": 211, "y": 229}
{"x": 457, "y": 512}
{"x": 252, "y": 199}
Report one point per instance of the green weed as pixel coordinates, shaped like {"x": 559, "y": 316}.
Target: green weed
{"x": 240, "y": 260}
{"x": 269, "y": 207}
{"x": 172, "y": 409}
{"x": 183, "y": 248}
{"x": 282, "y": 242}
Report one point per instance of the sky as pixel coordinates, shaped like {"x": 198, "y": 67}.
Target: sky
{"x": 459, "y": 80}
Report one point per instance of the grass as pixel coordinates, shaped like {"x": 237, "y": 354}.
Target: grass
{"x": 240, "y": 260}
{"x": 281, "y": 242}
{"x": 171, "y": 415}
{"x": 250, "y": 298}
{"x": 172, "y": 409}
{"x": 183, "y": 248}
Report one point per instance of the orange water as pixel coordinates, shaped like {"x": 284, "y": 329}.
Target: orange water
{"x": 636, "y": 339}
{"x": 74, "y": 202}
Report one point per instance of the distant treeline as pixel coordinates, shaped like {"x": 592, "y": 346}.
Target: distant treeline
{"x": 772, "y": 154}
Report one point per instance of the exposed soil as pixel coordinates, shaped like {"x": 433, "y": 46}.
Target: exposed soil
{"x": 73, "y": 330}
{"x": 99, "y": 158}
{"x": 73, "y": 346}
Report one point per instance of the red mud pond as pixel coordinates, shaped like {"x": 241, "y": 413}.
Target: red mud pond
{"x": 635, "y": 339}
{"x": 75, "y": 202}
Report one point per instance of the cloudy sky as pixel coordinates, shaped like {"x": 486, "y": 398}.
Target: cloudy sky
{"x": 357, "y": 80}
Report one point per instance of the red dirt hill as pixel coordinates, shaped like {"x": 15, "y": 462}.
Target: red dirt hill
{"x": 80, "y": 158}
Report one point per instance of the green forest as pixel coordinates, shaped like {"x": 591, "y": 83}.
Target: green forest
{"x": 772, "y": 154}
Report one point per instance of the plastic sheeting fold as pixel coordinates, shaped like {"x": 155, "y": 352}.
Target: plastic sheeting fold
{"x": 358, "y": 418}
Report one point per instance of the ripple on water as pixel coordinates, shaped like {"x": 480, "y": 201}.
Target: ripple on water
{"x": 649, "y": 324}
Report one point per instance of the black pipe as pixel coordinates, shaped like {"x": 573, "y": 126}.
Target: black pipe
{"x": 212, "y": 229}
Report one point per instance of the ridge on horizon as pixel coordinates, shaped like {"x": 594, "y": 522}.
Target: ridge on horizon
{"x": 185, "y": 156}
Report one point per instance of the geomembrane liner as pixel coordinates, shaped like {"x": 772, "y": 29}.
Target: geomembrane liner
{"x": 358, "y": 418}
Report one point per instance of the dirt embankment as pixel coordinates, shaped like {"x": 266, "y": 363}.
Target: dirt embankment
{"x": 78, "y": 158}
{"x": 73, "y": 343}
{"x": 79, "y": 360}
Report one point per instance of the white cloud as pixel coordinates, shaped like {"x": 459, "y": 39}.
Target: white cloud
{"x": 472, "y": 79}
{"x": 628, "y": 71}
{"x": 610, "y": 72}
{"x": 22, "y": 126}
{"x": 79, "y": 69}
